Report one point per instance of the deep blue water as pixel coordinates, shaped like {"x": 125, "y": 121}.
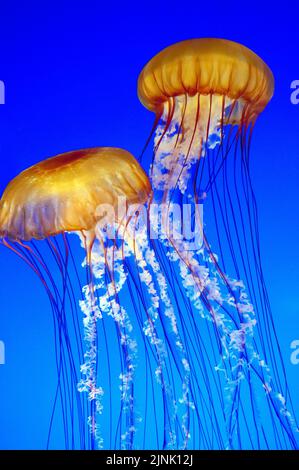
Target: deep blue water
{"x": 70, "y": 77}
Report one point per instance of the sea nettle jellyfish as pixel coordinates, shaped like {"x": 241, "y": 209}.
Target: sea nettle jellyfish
{"x": 207, "y": 95}
{"x": 124, "y": 370}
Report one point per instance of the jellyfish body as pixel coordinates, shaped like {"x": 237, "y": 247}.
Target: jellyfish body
{"x": 206, "y": 95}
{"x": 50, "y": 199}
{"x": 99, "y": 194}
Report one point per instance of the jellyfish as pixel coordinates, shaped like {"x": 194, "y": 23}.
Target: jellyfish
{"x": 207, "y": 95}
{"x": 122, "y": 370}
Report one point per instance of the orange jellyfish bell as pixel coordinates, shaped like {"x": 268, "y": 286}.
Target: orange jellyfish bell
{"x": 62, "y": 193}
{"x": 208, "y": 67}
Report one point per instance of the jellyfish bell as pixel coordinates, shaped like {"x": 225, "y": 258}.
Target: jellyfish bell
{"x": 62, "y": 194}
{"x": 206, "y": 67}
